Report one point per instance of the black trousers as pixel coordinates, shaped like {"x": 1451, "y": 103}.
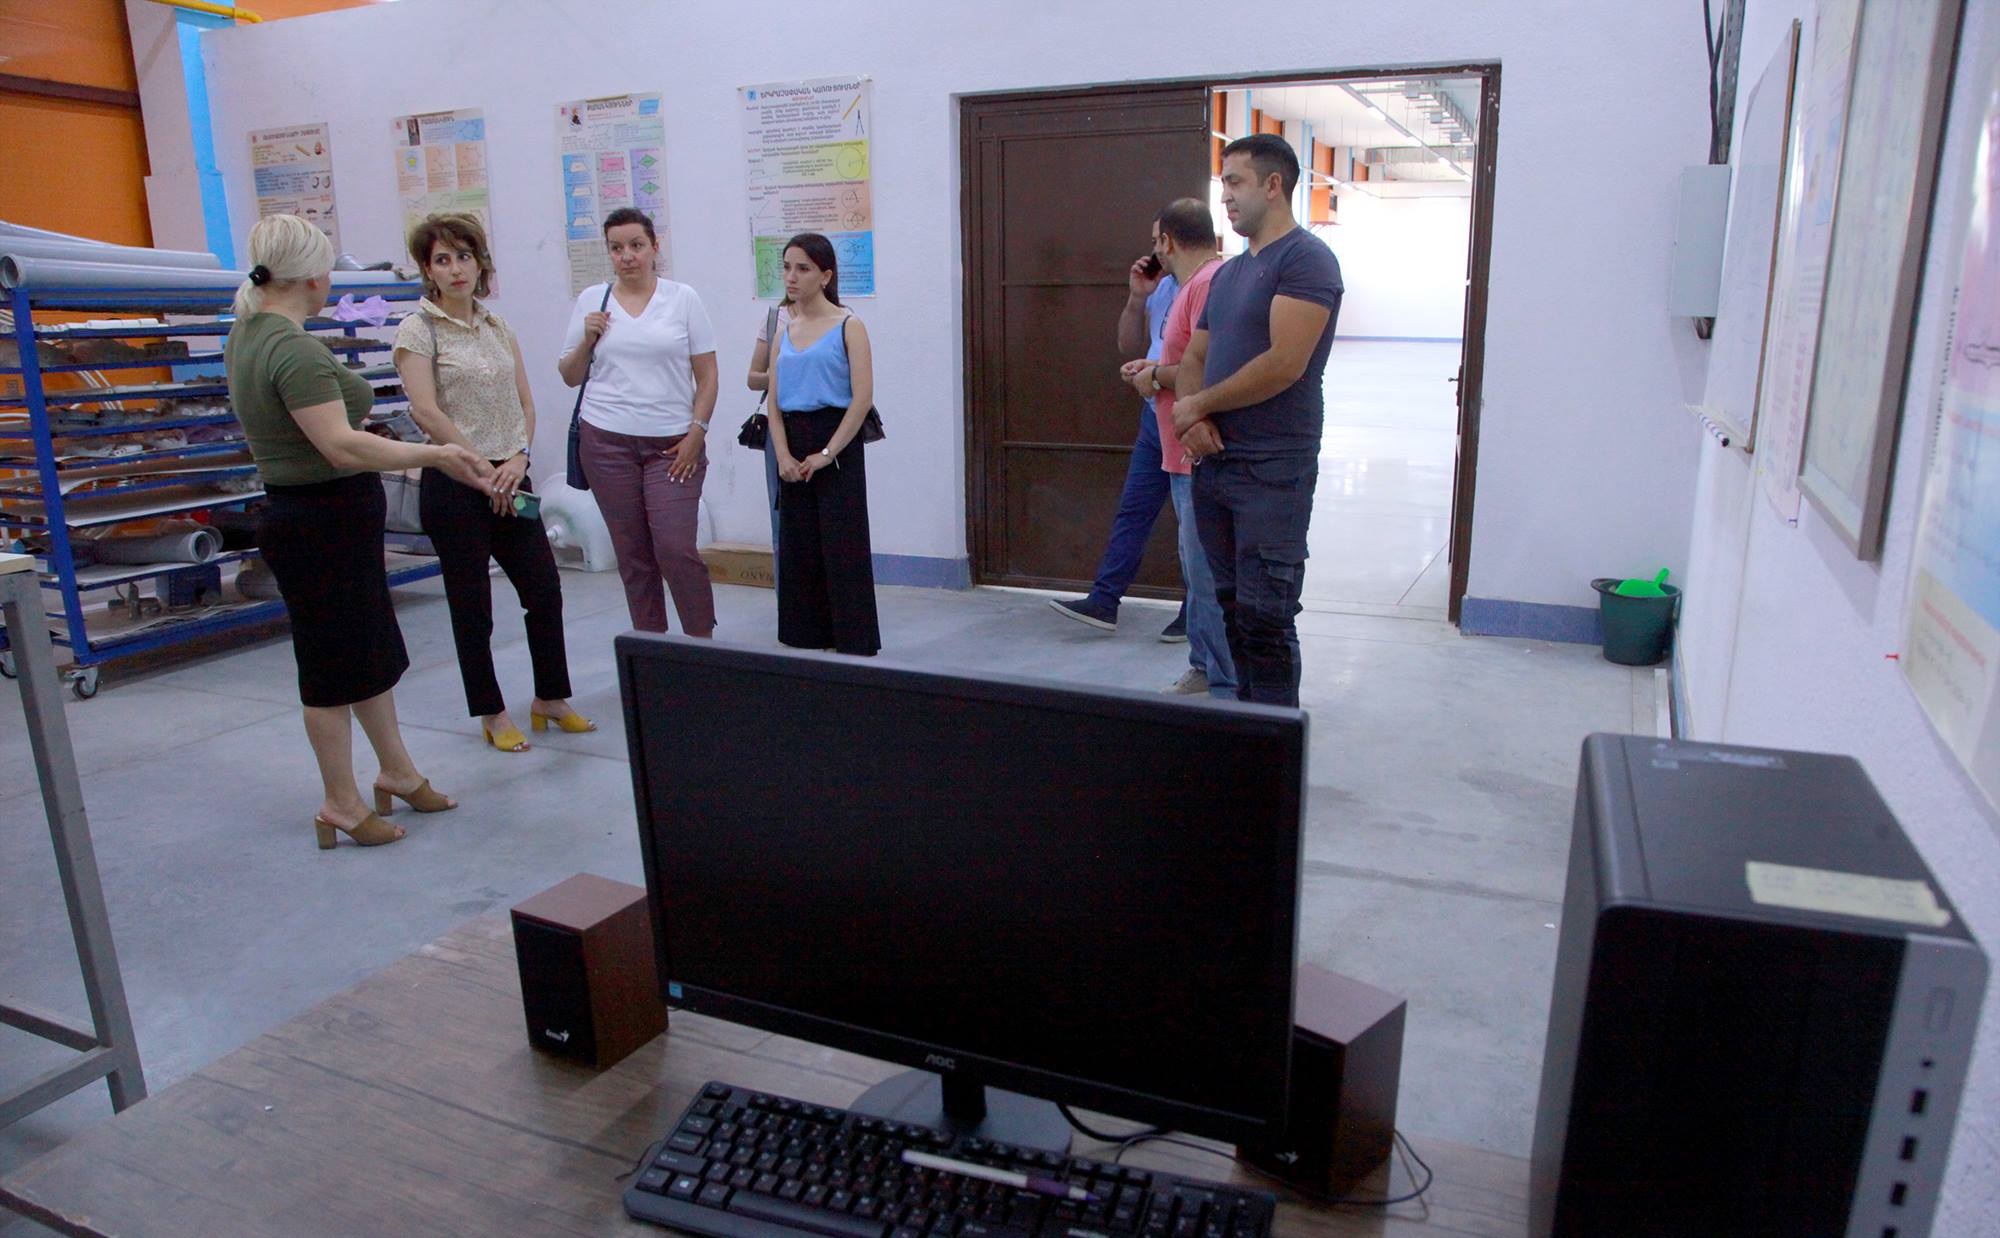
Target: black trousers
{"x": 826, "y": 577}
{"x": 465, "y": 532}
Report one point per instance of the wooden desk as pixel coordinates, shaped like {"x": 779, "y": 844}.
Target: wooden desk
{"x": 412, "y": 1105}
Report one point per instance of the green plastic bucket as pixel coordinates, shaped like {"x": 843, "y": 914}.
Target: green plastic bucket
{"x": 1637, "y": 630}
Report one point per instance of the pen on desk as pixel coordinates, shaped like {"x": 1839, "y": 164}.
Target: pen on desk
{"x": 1006, "y": 1177}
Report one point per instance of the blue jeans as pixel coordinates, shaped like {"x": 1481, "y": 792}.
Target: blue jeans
{"x": 1208, "y": 640}
{"x": 1253, "y": 516}
{"x": 1139, "y": 506}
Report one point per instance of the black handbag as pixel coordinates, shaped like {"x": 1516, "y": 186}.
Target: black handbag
{"x": 756, "y": 428}
{"x": 573, "y": 465}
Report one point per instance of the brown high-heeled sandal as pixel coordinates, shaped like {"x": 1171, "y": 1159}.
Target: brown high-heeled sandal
{"x": 423, "y": 799}
{"x": 372, "y": 831}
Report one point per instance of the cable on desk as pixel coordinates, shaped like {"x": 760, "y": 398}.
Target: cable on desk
{"x": 1101, "y": 1136}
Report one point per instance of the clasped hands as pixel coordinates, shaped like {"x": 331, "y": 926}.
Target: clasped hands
{"x": 1197, "y": 434}
{"x": 801, "y": 470}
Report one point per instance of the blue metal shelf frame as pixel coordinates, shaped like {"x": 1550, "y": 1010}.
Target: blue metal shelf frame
{"x": 43, "y": 431}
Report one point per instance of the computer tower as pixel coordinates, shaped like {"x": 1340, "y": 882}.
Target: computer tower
{"x": 590, "y": 987}
{"x": 1763, "y": 1006}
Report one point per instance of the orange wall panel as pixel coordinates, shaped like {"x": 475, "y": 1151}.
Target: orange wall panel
{"x": 83, "y": 42}
{"x": 74, "y": 167}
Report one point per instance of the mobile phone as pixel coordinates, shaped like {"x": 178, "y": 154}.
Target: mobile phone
{"x": 527, "y": 505}
{"x": 1152, "y": 267}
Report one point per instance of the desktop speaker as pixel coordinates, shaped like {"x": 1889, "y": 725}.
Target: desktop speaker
{"x": 589, "y": 986}
{"x": 1763, "y": 1004}
{"x": 1347, "y": 1060}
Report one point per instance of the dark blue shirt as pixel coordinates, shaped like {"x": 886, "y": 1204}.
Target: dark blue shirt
{"x": 1238, "y": 321}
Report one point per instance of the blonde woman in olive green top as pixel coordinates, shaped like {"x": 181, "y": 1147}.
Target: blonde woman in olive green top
{"x": 321, "y": 527}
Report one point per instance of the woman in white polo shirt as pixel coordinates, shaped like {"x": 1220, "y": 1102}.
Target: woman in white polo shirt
{"x": 649, "y": 357}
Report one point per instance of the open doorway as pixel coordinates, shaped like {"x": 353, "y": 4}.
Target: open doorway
{"x": 1390, "y": 178}
{"x": 1403, "y": 157}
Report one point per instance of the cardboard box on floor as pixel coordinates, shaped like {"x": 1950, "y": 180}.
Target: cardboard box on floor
{"x": 731, "y": 564}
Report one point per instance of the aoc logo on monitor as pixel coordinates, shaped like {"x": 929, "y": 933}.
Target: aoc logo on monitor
{"x": 940, "y": 1061}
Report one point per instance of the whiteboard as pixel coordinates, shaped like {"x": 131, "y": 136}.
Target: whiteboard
{"x": 1736, "y": 355}
{"x": 1895, "y": 114}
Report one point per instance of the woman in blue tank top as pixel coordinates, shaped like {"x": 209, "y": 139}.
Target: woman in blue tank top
{"x": 822, "y": 386}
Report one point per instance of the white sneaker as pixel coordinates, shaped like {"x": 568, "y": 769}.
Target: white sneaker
{"x": 1193, "y": 682}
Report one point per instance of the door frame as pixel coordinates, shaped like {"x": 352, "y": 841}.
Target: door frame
{"x": 1479, "y": 263}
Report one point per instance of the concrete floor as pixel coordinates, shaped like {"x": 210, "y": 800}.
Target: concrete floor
{"x": 1441, "y": 773}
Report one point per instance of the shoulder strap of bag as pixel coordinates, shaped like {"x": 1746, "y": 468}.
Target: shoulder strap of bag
{"x": 430, "y": 321}
{"x": 770, "y": 337}
{"x": 577, "y": 410}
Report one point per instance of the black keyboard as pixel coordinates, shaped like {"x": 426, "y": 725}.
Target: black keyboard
{"x": 743, "y": 1164}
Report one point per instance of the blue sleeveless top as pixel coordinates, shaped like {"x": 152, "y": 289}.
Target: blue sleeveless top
{"x": 816, "y": 376}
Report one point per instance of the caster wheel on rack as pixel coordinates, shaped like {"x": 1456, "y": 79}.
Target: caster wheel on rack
{"x": 84, "y": 683}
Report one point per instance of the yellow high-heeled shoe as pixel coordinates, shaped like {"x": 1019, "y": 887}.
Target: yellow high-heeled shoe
{"x": 506, "y": 739}
{"x": 423, "y": 799}
{"x": 572, "y": 722}
{"x": 371, "y": 831}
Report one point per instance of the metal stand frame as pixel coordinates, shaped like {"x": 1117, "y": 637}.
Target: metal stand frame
{"x": 109, "y": 1051}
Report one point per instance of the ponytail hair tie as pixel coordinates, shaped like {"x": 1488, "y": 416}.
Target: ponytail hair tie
{"x": 260, "y": 275}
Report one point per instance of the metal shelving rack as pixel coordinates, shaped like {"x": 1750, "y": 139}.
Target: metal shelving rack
{"x": 35, "y": 505}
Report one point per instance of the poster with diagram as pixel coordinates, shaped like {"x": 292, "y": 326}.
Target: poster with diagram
{"x": 1951, "y": 651}
{"x": 293, "y": 171}
{"x": 613, "y": 153}
{"x": 809, "y": 162}
{"x": 441, "y": 166}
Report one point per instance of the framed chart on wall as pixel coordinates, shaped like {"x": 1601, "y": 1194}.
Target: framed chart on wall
{"x": 1742, "y": 320}
{"x": 1951, "y": 647}
{"x": 1805, "y": 230}
{"x": 1902, "y": 76}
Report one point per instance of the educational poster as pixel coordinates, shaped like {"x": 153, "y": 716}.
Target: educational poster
{"x": 1805, "y": 237}
{"x": 293, "y": 170}
{"x": 1951, "y": 654}
{"x": 441, "y": 166}
{"x": 808, "y": 148}
{"x": 613, "y": 155}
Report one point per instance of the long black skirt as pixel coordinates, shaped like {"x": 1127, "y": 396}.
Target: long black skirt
{"x": 324, "y": 544}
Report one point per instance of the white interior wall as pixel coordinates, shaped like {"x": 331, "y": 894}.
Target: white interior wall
{"x": 1584, "y": 371}
{"x": 1403, "y": 261}
{"x": 1806, "y": 661}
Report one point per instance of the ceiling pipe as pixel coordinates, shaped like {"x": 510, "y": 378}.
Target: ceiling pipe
{"x": 213, "y": 10}
{"x": 1403, "y": 129}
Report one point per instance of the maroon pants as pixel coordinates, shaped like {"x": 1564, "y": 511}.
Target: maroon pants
{"x": 652, "y": 519}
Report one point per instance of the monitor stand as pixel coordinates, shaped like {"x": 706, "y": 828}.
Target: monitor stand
{"x": 967, "y": 1108}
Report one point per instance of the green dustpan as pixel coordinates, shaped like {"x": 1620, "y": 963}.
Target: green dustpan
{"x": 1637, "y": 588}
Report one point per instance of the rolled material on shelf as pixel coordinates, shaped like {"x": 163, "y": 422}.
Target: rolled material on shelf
{"x": 94, "y": 251}
{"x": 23, "y": 271}
{"x": 197, "y": 545}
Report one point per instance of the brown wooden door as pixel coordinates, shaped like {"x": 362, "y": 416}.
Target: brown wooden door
{"x": 1060, "y": 194}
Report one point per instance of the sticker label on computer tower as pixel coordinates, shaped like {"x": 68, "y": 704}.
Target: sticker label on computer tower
{"x": 1846, "y": 894}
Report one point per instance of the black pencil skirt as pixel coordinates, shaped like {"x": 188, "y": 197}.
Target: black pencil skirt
{"x": 324, "y": 544}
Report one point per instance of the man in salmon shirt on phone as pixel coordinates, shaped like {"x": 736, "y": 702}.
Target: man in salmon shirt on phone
{"x": 1187, "y": 239}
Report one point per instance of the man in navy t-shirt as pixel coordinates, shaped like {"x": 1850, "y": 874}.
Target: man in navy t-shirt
{"x": 1250, "y": 410}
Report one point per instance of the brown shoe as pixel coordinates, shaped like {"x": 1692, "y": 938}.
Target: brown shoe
{"x": 373, "y": 831}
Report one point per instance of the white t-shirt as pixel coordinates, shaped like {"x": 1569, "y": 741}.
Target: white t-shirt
{"x": 642, "y": 374}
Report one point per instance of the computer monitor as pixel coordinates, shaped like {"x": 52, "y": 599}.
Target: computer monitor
{"x": 1082, "y": 895}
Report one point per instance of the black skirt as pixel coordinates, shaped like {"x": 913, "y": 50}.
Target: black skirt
{"x": 324, "y": 544}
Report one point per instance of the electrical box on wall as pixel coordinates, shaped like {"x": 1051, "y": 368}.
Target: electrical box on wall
{"x": 1694, "y": 283}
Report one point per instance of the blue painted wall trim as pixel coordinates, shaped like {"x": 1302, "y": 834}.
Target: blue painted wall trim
{"x": 214, "y": 203}
{"x": 923, "y": 571}
{"x": 1534, "y": 620}
{"x": 1405, "y": 339}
